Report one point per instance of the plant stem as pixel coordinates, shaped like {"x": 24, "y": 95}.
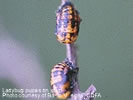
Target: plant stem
{"x": 71, "y": 53}
{"x": 63, "y": 1}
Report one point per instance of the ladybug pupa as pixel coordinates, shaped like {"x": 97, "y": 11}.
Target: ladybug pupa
{"x": 61, "y": 80}
{"x": 67, "y": 23}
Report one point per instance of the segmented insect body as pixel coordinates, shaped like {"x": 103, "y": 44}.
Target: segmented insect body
{"x": 61, "y": 80}
{"x": 67, "y": 23}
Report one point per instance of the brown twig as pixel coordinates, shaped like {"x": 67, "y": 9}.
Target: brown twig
{"x": 63, "y": 1}
{"x": 71, "y": 54}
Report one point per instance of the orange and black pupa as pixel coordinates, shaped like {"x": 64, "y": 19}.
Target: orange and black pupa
{"x": 67, "y": 23}
{"x": 61, "y": 80}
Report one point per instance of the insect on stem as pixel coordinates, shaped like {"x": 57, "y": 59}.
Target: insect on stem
{"x": 67, "y": 28}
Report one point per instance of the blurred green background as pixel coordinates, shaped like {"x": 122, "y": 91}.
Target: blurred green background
{"x": 105, "y": 42}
